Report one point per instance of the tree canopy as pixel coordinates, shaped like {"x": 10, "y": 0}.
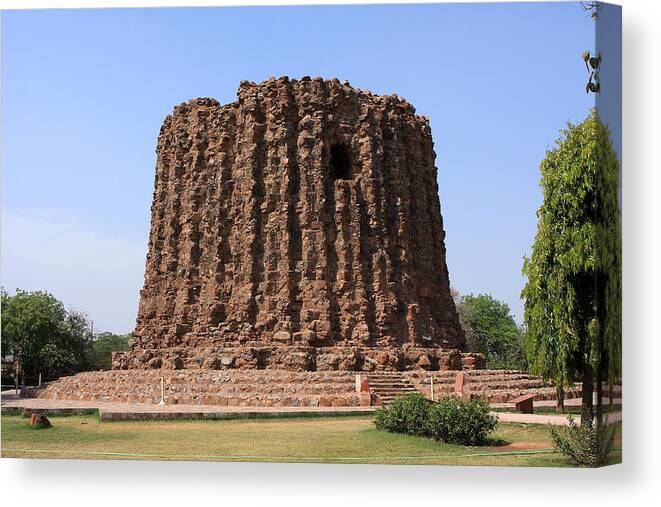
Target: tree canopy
{"x": 491, "y": 330}
{"x": 44, "y": 337}
{"x": 104, "y": 345}
{"x": 573, "y": 290}
{"x": 38, "y": 331}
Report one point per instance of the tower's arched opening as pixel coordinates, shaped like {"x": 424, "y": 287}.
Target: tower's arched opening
{"x": 340, "y": 162}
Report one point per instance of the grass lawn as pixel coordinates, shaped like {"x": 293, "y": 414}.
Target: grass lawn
{"x": 318, "y": 440}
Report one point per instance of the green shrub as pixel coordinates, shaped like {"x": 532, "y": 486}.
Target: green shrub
{"x": 406, "y": 414}
{"x": 455, "y": 421}
{"x": 451, "y": 420}
{"x": 585, "y": 446}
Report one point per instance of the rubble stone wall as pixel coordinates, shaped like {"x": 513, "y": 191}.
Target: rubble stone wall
{"x": 203, "y": 387}
{"x": 297, "y": 228}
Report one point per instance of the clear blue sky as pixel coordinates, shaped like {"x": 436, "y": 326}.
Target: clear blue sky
{"x": 84, "y": 93}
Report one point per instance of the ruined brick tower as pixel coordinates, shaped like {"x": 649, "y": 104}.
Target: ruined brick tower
{"x": 297, "y": 228}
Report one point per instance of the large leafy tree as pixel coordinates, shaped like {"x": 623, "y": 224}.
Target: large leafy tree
{"x": 573, "y": 293}
{"x": 491, "y": 330}
{"x": 42, "y": 336}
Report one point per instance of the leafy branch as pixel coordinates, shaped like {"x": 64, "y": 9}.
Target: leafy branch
{"x": 592, "y": 65}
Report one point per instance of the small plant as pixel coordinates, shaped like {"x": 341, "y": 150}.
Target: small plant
{"x": 585, "y": 445}
{"x": 451, "y": 420}
{"x": 455, "y": 421}
{"x": 407, "y": 414}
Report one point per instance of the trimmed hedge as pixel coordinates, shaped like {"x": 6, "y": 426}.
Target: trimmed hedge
{"x": 451, "y": 420}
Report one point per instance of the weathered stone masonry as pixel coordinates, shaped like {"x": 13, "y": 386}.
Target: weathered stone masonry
{"x": 297, "y": 228}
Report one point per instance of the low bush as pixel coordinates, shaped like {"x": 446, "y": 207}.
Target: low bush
{"x": 455, "y": 421}
{"x": 451, "y": 420}
{"x": 585, "y": 446}
{"x": 407, "y": 414}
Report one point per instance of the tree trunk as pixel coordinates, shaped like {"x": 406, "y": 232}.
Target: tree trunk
{"x": 560, "y": 403}
{"x": 600, "y": 412}
{"x": 16, "y": 373}
{"x": 587, "y": 412}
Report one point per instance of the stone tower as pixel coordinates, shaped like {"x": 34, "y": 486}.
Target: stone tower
{"x": 297, "y": 228}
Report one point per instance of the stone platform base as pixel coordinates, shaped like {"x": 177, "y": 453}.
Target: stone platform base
{"x": 298, "y": 358}
{"x": 283, "y": 388}
{"x": 242, "y": 388}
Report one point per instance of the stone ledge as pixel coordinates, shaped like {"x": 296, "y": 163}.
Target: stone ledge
{"x": 300, "y": 358}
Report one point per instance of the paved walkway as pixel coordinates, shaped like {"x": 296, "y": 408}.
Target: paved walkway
{"x": 570, "y": 402}
{"x": 555, "y": 420}
{"x": 109, "y": 411}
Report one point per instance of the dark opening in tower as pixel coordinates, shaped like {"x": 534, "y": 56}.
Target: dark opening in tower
{"x": 340, "y": 162}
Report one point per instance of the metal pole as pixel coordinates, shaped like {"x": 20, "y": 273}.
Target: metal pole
{"x": 162, "y": 402}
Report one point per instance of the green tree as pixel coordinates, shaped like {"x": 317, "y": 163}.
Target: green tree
{"x": 573, "y": 292}
{"x": 42, "y": 336}
{"x": 491, "y": 330}
{"x": 104, "y": 345}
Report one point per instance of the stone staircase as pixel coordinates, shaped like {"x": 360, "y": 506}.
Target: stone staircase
{"x": 496, "y": 386}
{"x": 389, "y": 385}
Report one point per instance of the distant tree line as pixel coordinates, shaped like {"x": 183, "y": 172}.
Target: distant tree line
{"x": 491, "y": 329}
{"x": 40, "y": 336}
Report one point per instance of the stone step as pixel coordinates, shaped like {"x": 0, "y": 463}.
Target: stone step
{"x": 399, "y": 390}
{"x": 393, "y": 385}
{"x": 260, "y": 400}
{"x": 216, "y": 391}
{"x": 386, "y": 396}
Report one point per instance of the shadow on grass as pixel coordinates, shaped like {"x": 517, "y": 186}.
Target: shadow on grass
{"x": 495, "y": 442}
